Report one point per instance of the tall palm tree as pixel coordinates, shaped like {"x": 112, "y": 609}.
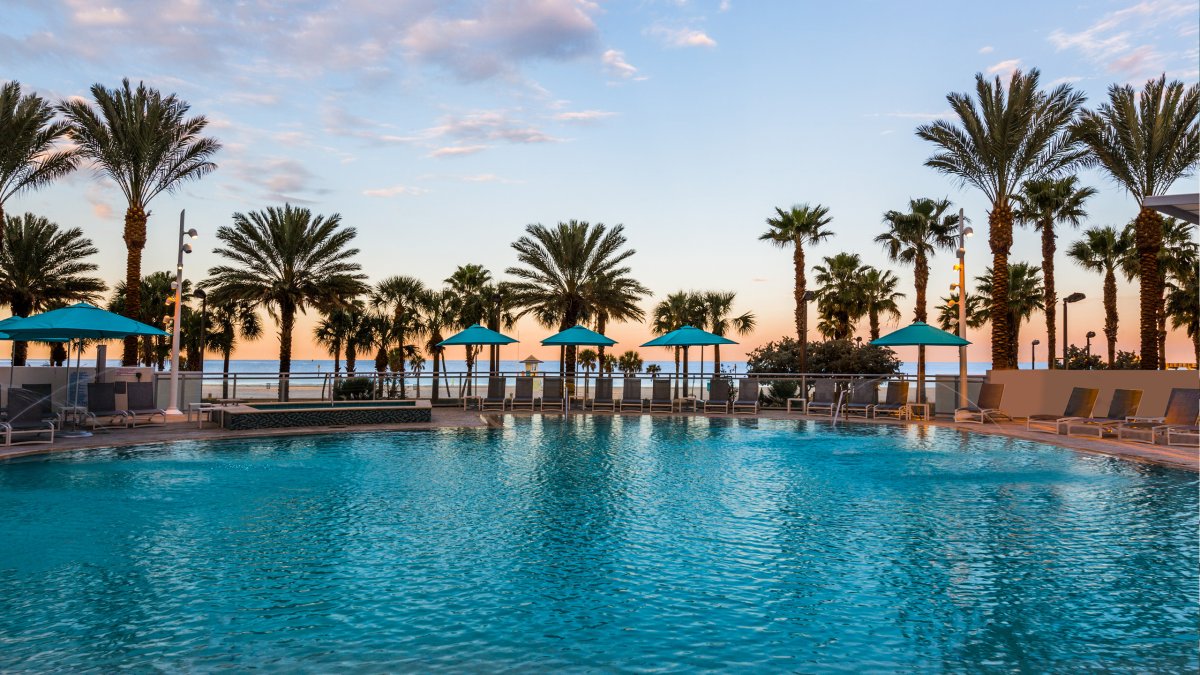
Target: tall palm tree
{"x": 416, "y": 363}
{"x": 400, "y": 296}
{"x": 285, "y": 259}
{"x": 29, "y": 158}
{"x": 717, "y": 307}
{"x": 1183, "y": 307}
{"x": 1003, "y": 137}
{"x": 41, "y": 265}
{"x": 841, "y": 300}
{"x": 439, "y": 314}
{"x": 677, "y": 310}
{"x": 1042, "y": 203}
{"x": 1025, "y": 294}
{"x": 911, "y": 239}
{"x": 1101, "y": 250}
{"x": 231, "y": 321}
{"x": 630, "y": 363}
{"x": 801, "y": 226}
{"x": 557, "y": 268}
{"x": 470, "y": 283}
{"x": 498, "y": 316}
{"x": 615, "y": 297}
{"x": 880, "y": 295}
{"x": 144, "y": 142}
{"x": 1146, "y": 141}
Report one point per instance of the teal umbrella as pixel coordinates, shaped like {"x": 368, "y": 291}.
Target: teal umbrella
{"x": 920, "y": 334}
{"x": 78, "y": 321}
{"x": 688, "y": 336}
{"x": 476, "y": 335}
{"x": 578, "y": 335}
{"x": 916, "y": 335}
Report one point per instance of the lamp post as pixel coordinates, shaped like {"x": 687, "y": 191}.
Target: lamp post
{"x": 963, "y": 233}
{"x": 1074, "y": 297}
{"x": 203, "y": 296}
{"x": 184, "y": 247}
{"x": 1033, "y": 354}
{"x": 1090, "y": 334}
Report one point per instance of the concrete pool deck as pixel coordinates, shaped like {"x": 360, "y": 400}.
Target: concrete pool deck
{"x": 450, "y": 418}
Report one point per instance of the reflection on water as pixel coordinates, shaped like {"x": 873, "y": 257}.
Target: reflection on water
{"x": 605, "y": 543}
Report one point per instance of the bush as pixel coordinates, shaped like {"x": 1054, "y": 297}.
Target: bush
{"x": 352, "y": 389}
{"x": 779, "y": 392}
{"x": 830, "y": 356}
{"x": 1078, "y": 359}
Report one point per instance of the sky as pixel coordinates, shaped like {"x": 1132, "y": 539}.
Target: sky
{"x": 440, "y": 129}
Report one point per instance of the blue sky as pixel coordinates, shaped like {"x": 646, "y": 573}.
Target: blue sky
{"x": 440, "y": 129}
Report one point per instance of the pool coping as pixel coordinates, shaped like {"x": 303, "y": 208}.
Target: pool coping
{"x": 455, "y": 418}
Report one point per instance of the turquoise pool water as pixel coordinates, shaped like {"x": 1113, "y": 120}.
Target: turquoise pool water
{"x": 600, "y": 544}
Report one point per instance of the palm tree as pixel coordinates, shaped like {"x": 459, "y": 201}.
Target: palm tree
{"x": 587, "y": 359}
{"x": 145, "y": 144}
{"x": 559, "y": 266}
{"x": 416, "y": 363}
{"x": 499, "y": 306}
{"x": 41, "y": 265}
{"x": 880, "y": 295}
{"x": 654, "y": 369}
{"x": 1183, "y": 307}
{"x": 841, "y": 300}
{"x": 679, "y": 309}
{"x": 470, "y": 283}
{"x": 332, "y": 332}
{"x": 1178, "y": 254}
{"x": 1146, "y": 141}
{"x": 439, "y": 313}
{"x": 630, "y": 363}
{"x": 230, "y": 321}
{"x": 1042, "y": 203}
{"x": 286, "y": 259}
{"x": 1025, "y": 293}
{"x": 608, "y": 363}
{"x": 717, "y": 307}
{"x": 401, "y": 297}
{"x": 1009, "y": 135}
{"x": 802, "y": 225}
{"x": 158, "y": 292}
{"x": 28, "y": 158}
{"x": 1101, "y": 250}
{"x": 948, "y": 311}
{"x": 615, "y": 297}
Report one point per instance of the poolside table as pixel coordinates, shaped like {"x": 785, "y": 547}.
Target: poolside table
{"x": 803, "y": 404}
{"x": 200, "y": 409}
{"x": 912, "y": 408}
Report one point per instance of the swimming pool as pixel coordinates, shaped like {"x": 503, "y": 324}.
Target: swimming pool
{"x": 600, "y": 543}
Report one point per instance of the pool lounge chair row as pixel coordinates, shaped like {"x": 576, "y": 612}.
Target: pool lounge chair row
{"x": 1177, "y": 425}
{"x": 661, "y": 399}
{"x": 859, "y": 399}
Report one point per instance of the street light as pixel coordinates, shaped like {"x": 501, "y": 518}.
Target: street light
{"x": 1074, "y": 297}
{"x": 1090, "y": 334}
{"x": 184, "y": 247}
{"x": 1033, "y": 354}
{"x": 963, "y": 233}
{"x": 203, "y": 296}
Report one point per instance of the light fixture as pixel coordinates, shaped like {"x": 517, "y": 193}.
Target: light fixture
{"x": 969, "y": 232}
{"x": 193, "y": 233}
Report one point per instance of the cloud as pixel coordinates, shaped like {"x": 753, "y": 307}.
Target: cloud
{"x": 458, "y": 150}
{"x": 280, "y": 179}
{"x": 503, "y": 34}
{"x": 614, "y": 61}
{"x": 725, "y": 6}
{"x": 1125, "y": 39}
{"x": 986, "y": 49}
{"x": 487, "y": 125}
{"x": 682, "y": 37}
{"x": 584, "y": 116}
{"x": 1004, "y": 68}
{"x": 396, "y": 190}
{"x": 1069, "y": 79}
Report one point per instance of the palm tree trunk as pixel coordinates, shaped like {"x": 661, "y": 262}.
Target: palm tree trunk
{"x": 225, "y": 355}
{"x": 873, "y": 318}
{"x": 1196, "y": 346}
{"x": 20, "y": 349}
{"x": 436, "y": 371}
{"x": 921, "y": 312}
{"x": 1050, "y": 297}
{"x": 716, "y": 360}
{"x": 135, "y": 241}
{"x": 685, "y": 372}
{"x": 1148, "y": 238}
{"x": 601, "y": 325}
{"x": 1000, "y": 222}
{"x": 287, "y": 321}
{"x": 677, "y": 372}
{"x": 801, "y": 305}
{"x": 351, "y": 359}
{"x": 1110, "y": 312}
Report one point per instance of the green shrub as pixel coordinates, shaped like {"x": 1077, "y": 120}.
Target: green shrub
{"x": 829, "y": 356}
{"x": 352, "y": 389}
